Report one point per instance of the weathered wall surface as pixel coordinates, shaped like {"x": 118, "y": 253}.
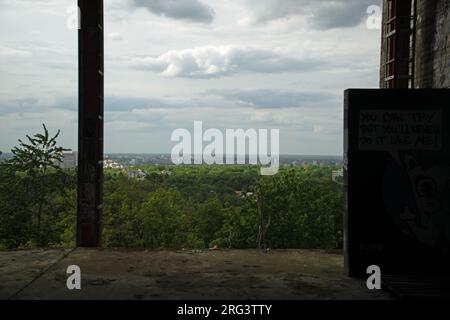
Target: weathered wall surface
{"x": 441, "y": 46}
{"x": 425, "y": 34}
{"x": 383, "y": 45}
{"x": 432, "y": 49}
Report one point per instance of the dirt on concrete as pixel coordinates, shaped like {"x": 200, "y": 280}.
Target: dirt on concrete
{"x": 193, "y": 274}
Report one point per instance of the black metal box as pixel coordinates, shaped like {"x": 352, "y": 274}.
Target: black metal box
{"x": 397, "y": 175}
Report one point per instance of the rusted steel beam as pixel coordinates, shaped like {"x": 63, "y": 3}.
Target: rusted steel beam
{"x": 90, "y": 122}
{"x": 398, "y": 33}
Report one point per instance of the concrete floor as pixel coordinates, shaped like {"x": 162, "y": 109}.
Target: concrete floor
{"x": 142, "y": 274}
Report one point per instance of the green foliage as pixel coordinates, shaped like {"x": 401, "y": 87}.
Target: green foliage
{"x": 40, "y": 154}
{"x": 305, "y": 209}
{"x": 173, "y": 207}
{"x": 197, "y": 207}
{"x": 33, "y": 193}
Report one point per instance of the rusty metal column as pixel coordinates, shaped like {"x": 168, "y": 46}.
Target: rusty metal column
{"x": 398, "y": 51}
{"x": 90, "y": 123}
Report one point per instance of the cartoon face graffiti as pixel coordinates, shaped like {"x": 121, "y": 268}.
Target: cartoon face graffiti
{"x": 424, "y": 209}
{"x": 431, "y": 188}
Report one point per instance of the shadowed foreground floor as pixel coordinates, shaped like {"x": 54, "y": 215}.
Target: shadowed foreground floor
{"x": 142, "y": 274}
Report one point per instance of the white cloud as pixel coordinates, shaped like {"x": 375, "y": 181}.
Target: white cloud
{"x": 262, "y": 116}
{"x": 14, "y": 53}
{"x": 268, "y": 73}
{"x": 275, "y": 99}
{"x": 217, "y": 61}
{"x": 190, "y": 10}
{"x": 321, "y": 14}
{"x": 115, "y": 36}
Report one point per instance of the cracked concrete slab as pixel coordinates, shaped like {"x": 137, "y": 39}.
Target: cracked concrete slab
{"x": 223, "y": 274}
{"x": 20, "y": 268}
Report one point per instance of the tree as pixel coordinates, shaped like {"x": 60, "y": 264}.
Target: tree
{"x": 37, "y": 162}
{"x": 263, "y": 226}
{"x": 38, "y": 156}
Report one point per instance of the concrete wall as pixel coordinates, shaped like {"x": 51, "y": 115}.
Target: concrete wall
{"x": 432, "y": 62}
{"x": 383, "y": 45}
{"x": 441, "y": 46}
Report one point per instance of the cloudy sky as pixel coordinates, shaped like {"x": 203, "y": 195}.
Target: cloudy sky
{"x": 230, "y": 63}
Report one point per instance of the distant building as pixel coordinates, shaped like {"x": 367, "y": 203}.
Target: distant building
{"x": 112, "y": 164}
{"x": 137, "y": 174}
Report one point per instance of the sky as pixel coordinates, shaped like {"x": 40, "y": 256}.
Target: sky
{"x": 261, "y": 64}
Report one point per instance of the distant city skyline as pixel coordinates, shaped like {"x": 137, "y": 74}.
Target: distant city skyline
{"x": 229, "y": 63}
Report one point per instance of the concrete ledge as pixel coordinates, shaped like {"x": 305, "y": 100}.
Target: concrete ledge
{"x": 19, "y": 268}
{"x": 142, "y": 274}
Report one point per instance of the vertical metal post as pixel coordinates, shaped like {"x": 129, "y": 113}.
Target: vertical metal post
{"x": 90, "y": 123}
{"x": 413, "y": 45}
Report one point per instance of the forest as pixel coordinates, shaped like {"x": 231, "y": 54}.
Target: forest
{"x": 173, "y": 207}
